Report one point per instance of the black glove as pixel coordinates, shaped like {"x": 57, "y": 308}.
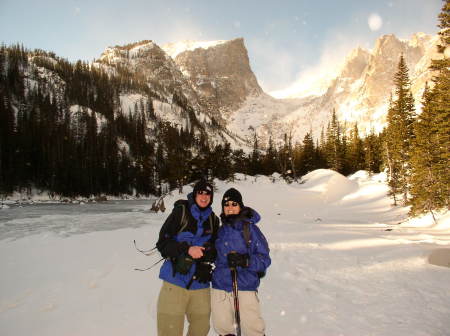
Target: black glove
{"x": 209, "y": 253}
{"x": 203, "y": 272}
{"x": 237, "y": 259}
{"x": 183, "y": 264}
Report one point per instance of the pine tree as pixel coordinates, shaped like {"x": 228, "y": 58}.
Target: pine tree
{"x": 425, "y": 190}
{"x": 355, "y": 153}
{"x": 431, "y": 156}
{"x": 308, "y": 159}
{"x": 270, "y": 158}
{"x": 255, "y": 166}
{"x": 372, "y": 152}
{"x": 399, "y": 133}
{"x": 333, "y": 144}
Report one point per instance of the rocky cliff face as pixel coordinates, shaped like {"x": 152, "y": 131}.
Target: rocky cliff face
{"x": 148, "y": 61}
{"x": 364, "y": 98}
{"x": 360, "y": 93}
{"x": 220, "y": 74}
{"x": 216, "y": 79}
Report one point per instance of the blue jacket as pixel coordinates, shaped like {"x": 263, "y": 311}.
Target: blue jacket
{"x": 172, "y": 243}
{"x": 230, "y": 238}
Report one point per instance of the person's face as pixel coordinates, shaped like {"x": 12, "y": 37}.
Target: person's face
{"x": 202, "y": 198}
{"x": 231, "y": 208}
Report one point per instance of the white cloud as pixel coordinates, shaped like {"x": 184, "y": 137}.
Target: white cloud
{"x": 317, "y": 77}
{"x": 272, "y": 64}
{"x": 375, "y": 22}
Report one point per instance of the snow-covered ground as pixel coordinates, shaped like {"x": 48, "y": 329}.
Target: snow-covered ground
{"x": 342, "y": 263}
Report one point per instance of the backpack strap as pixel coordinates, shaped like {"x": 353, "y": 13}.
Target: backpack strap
{"x": 211, "y": 226}
{"x": 183, "y": 221}
{"x": 246, "y": 233}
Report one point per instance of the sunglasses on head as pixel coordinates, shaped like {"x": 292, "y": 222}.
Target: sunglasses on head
{"x": 203, "y": 192}
{"x": 227, "y": 204}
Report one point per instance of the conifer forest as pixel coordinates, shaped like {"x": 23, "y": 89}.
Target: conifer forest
{"x": 98, "y": 149}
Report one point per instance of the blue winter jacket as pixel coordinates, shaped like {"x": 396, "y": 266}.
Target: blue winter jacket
{"x": 231, "y": 239}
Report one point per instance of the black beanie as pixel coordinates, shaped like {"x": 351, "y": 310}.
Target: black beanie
{"x": 202, "y": 185}
{"x": 232, "y": 195}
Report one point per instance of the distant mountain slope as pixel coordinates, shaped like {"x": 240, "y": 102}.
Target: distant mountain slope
{"x": 359, "y": 93}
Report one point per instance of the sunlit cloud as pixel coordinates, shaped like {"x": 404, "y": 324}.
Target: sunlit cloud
{"x": 315, "y": 79}
{"x": 275, "y": 65}
{"x": 375, "y": 22}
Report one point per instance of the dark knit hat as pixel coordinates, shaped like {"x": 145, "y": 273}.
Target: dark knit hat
{"x": 202, "y": 185}
{"x": 232, "y": 195}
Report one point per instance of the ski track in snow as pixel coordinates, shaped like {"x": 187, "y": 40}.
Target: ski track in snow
{"x": 335, "y": 269}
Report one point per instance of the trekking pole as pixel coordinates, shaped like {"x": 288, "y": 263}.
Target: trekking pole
{"x": 237, "y": 315}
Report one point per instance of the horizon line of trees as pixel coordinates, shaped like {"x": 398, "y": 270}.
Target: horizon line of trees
{"x": 97, "y": 148}
{"x": 74, "y": 139}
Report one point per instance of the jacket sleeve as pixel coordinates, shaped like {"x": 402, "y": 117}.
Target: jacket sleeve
{"x": 259, "y": 251}
{"x": 167, "y": 245}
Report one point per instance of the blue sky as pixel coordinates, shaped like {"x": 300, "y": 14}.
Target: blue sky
{"x": 285, "y": 39}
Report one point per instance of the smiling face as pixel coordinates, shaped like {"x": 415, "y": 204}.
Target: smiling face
{"x": 203, "y": 198}
{"x": 231, "y": 208}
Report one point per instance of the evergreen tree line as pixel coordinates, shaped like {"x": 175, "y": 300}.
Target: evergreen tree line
{"x": 342, "y": 150}
{"x": 68, "y": 134}
{"x": 73, "y": 139}
{"x": 62, "y": 129}
{"x": 417, "y": 146}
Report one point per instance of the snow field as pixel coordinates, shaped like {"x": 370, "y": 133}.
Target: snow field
{"x": 335, "y": 269}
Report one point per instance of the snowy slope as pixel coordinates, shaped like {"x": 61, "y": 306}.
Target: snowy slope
{"x": 358, "y": 89}
{"x": 336, "y": 269}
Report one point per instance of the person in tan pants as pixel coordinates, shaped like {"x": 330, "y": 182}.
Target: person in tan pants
{"x": 186, "y": 241}
{"x": 175, "y": 302}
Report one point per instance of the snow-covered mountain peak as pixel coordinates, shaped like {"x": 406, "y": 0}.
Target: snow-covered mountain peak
{"x": 129, "y": 51}
{"x": 173, "y": 49}
{"x": 417, "y": 39}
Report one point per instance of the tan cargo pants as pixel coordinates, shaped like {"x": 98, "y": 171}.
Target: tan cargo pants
{"x": 175, "y": 302}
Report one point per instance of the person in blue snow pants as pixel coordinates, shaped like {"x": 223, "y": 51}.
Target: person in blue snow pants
{"x": 240, "y": 245}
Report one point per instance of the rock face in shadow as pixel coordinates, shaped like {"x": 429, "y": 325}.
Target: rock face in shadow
{"x": 220, "y": 75}
{"x": 440, "y": 257}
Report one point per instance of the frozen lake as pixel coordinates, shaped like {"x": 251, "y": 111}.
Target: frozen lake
{"x": 65, "y": 219}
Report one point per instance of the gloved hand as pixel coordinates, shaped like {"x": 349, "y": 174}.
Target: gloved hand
{"x": 237, "y": 259}
{"x": 183, "y": 263}
{"x": 203, "y": 272}
{"x": 209, "y": 253}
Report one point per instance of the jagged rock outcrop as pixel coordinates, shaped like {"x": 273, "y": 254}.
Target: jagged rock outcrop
{"x": 221, "y": 76}
{"x": 216, "y": 79}
{"x": 360, "y": 92}
{"x": 177, "y": 91}
{"x": 146, "y": 60}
